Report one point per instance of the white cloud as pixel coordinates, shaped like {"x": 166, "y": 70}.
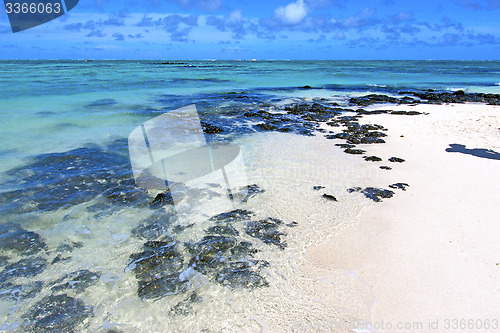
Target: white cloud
{"x": 235, "y": 16}
{"x": 292, "y": 14}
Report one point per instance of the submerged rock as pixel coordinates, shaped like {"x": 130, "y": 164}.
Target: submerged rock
{"x": 57, "y": 313}
{"x": 251, "y": 191}
{"x": 21, "y": 292}
{"x": 183, "y": 308}
{"x": 223, "y": 230}
{"x": 153, "y": 227}
{"x": 242, "y": 274}
{"x": 28, "y": 268}
{"x": 58, "y": 180}
{"x": 19, "y": 240}
{"x": 266, "y": 127}
{"x": 158, "y": 268}
{"x": 79, "y": 280}
{"x": 233, "y": 216}
{"x": 267, "y": 231}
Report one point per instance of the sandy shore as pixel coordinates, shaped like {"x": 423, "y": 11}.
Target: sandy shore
{"x": 429, "y": 255}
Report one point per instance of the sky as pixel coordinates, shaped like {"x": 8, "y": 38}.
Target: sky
{"x": 263, "y": 29}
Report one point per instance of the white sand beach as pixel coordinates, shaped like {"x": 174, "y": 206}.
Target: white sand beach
{"x": 428, "y": 258}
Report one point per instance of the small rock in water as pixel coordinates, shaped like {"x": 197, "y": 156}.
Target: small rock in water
{"x": 384, "y": 167}
{"x": 251, "y": 191}
{"x": 57, "y": 313}
{"x": 396, "y": 160}
{"x": 375, "y": 194}
{"x": 161, "y": 200}
{"x": 329, "y": 197}
{"x": 400, "y": 186}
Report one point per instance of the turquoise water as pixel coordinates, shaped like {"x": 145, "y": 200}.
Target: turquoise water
{"x": 47, "y": 105}
{"x": 65, "y": 173}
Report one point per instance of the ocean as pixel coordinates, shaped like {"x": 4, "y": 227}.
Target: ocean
{"x": 85, "y": 248}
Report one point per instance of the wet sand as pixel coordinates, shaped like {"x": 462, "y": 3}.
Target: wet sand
{"x": 429, "y": 255}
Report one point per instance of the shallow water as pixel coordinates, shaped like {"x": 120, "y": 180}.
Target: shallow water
{"x": 74, "y": 223}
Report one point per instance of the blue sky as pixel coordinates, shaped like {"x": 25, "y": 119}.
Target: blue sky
{"x": 247, "y": 29}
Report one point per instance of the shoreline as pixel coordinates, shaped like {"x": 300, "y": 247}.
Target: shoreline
{"x": 428, "y": 254}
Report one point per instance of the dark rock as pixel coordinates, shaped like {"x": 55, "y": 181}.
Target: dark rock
{"x": 345, "y": 145}
{"x": 79, "y": 280}
{"x": 251, "y": 191}
{"x": 372, "y": 159}
{"x": 69, "y": 246}
{"x": 58, "y": 180}
{"x": 401, "y": 186}
{"x": 373, "y": 99}
{"x": 292, "y": 224}
{"x": 21, "y": 292}
{"x": 156, "y": 288}
{"x": 267, "y": 231}
{"x": 183, "y": 308}
{"x": 211, "y": 129}
{"x": 101, "y": 103}
{"x": 161, "y": 200}
{"x": 354, "y": 151}
{"x": 384, "y": 167}
{"x": 406, "y": 113}
{"x": 306, "y": 87}
{"x": 57, "y": 313}
{"x": 396, "y": 160}
{"x": 242, "y": 274}
{"x": 59, "y": 258}
{"x": 266, "y": 127}
{"x": 158, "y": 268}
{"x": 4, "y": 260}
{"x": 317, "y": 188}
{"x": 375, "y": 194}
{"x": 329, "y": 197}
{"x": 155, "y": 226}
{"x": 16, "y": 239}
{"x": 28, "y": 267}
{"x": 223, "y": 230}
{"x": 243, "y": 250}
{"x": 233, "y": 216}
{"x": 157, "y": 260}
{"x": 211, "y": 252}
